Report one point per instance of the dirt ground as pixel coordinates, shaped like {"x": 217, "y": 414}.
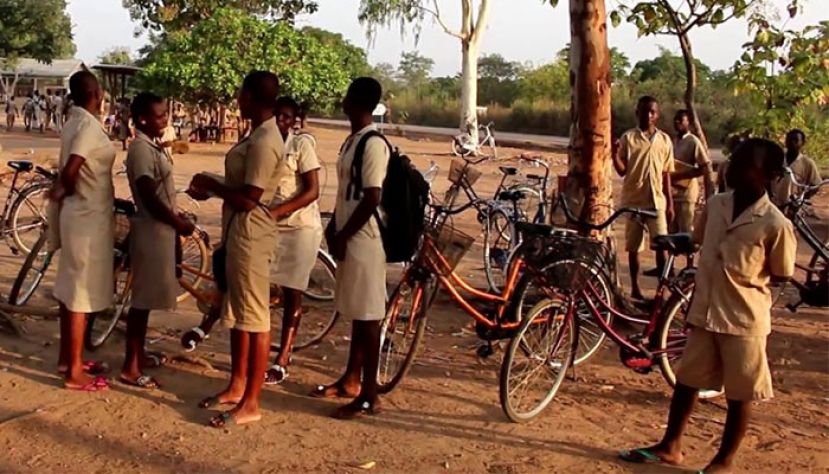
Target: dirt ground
{"x": 445, "y": 417}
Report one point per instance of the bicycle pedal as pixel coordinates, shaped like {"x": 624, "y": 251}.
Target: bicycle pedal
{"x": 639, "y": 364}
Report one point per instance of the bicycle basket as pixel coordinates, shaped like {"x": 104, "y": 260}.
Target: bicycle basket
{"x": 458, "y": 169}
{"x": 543, "y": 245}
{"x": 450, "y": 243}
{"x": 122, "y": 212}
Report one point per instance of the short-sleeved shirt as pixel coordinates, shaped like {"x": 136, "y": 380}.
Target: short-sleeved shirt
{"x": 647, "y": 160}
{"x": 147, "y": 158}
{"x": 804, "y": 170}
{"x": 689, "y": 153}
{"x": 375, "y": 164}
{"x": 84, "y": 136}
{"x": 737, "y": 260}
{"x": 300, "y": 158}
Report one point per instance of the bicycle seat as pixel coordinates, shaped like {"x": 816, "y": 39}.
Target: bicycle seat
{"x": 511, "y": 196}
{"x": 51, "y": 174}
{"x": 536, "y": 177}
{"x": 508, "y": 170}
{"x": 676, "y": 244}
{"x": 21, "y": 166}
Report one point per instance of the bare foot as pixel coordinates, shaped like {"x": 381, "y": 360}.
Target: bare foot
{"x": 225, "y": 397}
{"x": 652, "y": 455}
{"x": 338, "y": 389}
{"x": 237, "y": 416}
{"x": 717, "y": 467}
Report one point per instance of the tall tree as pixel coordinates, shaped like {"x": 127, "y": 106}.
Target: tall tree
{"x": 33, "y": 29}
{"x": 353, "y": 57}
{"x": 473, "y": 24}
{"x": 178, "y": 15}
{"x": 679, "y": 18}
{"x": 116, "y": 55}
{"x": 497, "y": 80}
{"x": 414, "y": 70}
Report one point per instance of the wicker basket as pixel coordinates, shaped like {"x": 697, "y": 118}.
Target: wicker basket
{"x": 460, "y": 169}
{"x": 122, "y": 212}
{"x": 451, "y": 243}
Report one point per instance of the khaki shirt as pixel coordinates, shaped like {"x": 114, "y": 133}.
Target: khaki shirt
{"x": 375, "y": 164}
{"x": 647, "y": 160}
{"x": 147, "y": 158}
{"x": 737, "y": 260}
{"x": 689, "y": 153}
{"x": 300, "y": 158}
{"x": 805, "y": 170}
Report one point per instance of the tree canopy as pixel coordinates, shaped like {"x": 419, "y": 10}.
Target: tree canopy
{"x": 116, "y": 55}
{"x": 207, "y": 63}
{"x": 36, "y": 29}
{"x": 177, "y": 15}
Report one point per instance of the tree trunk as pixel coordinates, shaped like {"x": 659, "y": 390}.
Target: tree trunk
{"x": 469, "y": 90}
{"x": 691, "y": 87}
{"x": 589, "y": 186}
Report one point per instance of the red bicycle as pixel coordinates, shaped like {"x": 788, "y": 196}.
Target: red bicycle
{"x": 575, "y": 296}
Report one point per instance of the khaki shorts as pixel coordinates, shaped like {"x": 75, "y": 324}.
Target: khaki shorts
{"x": 713, "y": 360}
{"x": 684, "y": 217}
{"x": 635, "y": 231}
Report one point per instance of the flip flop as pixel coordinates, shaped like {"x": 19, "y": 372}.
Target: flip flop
{"x": 357, "y": 409}
{"x": 641, "y": 456}
{"x": 222, "y": 420}
{"x": 213, "y": 402}
{"x": 144, "y": 381}
{"x": 98, "y": 384}
{"x": 322, "y": 391}
{"x": 154, "y": 360}
{"x": 92, "y": 367}
{"x": 276, "y": 375}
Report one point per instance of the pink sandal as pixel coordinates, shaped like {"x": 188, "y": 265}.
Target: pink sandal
{"x": 98, "y": 384}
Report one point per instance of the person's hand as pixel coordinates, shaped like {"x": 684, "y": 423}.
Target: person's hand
{"x": 185, "y": 227}
{"x": 337, "y": 247}
{"x": 670, "y": 214}
{"x": 57, "y": 192}
{"x": 201, "y": 182}
{"x": 197, "y": 194}
{"x": 277, "y": 212}
{"x": 330, "y": 231}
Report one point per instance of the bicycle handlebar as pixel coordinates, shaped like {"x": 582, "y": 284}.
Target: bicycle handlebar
{"x": 647, "y": 213}
{"x": 441, "y": 209}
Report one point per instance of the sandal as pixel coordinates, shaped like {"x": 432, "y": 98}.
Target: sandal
{"x": 91, "y": 367}
{"x": 642, "y": 456}
{"x": 143, "y": 381}
{"x": 192, "y": 338}
{"x": 222, "y": 420}
{"x": 98, "y": 384}
{"x": 213, "y": 402}
{"x": 325, "y": 391}
{"x": 154, "y": 360}
{"x": 276, "y": 375}
{"x": 357, "y": 409}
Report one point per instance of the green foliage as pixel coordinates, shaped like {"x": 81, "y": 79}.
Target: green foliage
{"x": 208, "y": 63}
{"x": 497, "y": 80}
{"x": 667, "y": 67}
{"x": 414, "y": 69}
{"x": 179, "y": 15}
{"x": 36, "y": 29}
{"x": 116, "y": 55}
{"x": 353, "y": 57}
{"x": 654, "y": 17}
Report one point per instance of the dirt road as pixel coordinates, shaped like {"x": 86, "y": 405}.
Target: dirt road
{"x": 445, "y": 416}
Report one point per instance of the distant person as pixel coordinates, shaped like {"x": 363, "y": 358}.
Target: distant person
{"x": 354, "y": 241}
{"x": 153, "y": 234}
{"x": 747, "y": 243}
{"x": 28, "y": 112}
{"x": 691, "y": 160}
{"x": 296, "y": 210}
{"x": 122, "y": 121}
{"x": 11, "y": 113}
{"x": 249, "y": 238}
{"x": 39, "y": 116}
{"x": 645, "y": 159}
{"x": 57, "y": 110}
{"x": 83, "y": 199}
{"x": 803, "y": 169}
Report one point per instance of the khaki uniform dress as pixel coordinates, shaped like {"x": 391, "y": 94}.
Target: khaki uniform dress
{"x": 689, "y": 153}
{"x": 300, "y": 233}
{"x": 804, "y": 170}
{"x": 730, "y": 314}
{"x": 250, "y": 237}
{"x": 647, "y": 160}
{"x": 84, "y": 282}
{"x": 361, "y": 277}
{"x": 152, "y": 242}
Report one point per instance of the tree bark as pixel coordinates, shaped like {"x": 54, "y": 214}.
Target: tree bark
{"x": 691, "y": 87}
{"x": 588, "y": 184}
{"x": 469, "y": 91}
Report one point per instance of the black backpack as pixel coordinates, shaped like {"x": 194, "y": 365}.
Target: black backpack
{"x": 404, "y": 198}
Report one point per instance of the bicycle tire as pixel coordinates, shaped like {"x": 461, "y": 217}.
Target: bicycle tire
{"x": 398, "y": 353}
{"x": 27, "y": 196}
{"x": 100, "y": 325}
{"x": 458, "y": 149}
{"x": 557, "y": 334}
{"x": 31, "y": 273}
{"x": 202, "y": 262}
{"x": 813, "y": 276}
{"x": 673, "y": 339}
{"x": 496, "y": 259}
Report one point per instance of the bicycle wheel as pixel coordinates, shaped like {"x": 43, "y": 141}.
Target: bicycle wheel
{"x": 536, "y": 361}
{"x": 402, "y": 331}
{"x": 100, "y": 325}
{"x": 498, "y": 242}
{"x": 672, "y": 334}
{"x": 817, "y": 265}
{"x": 31, "y": 273}
{"x": 590, "y": 334}
{"x": 195, "y": 255}
{"x": 28, "y": 216}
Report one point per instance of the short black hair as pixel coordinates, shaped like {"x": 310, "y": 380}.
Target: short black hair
{"x": 773, "y": 156}
{"x": 797, "y": 131}
{"x": 83, "y": 85}
{"x": 263, "y": 86}
{"x": 683, "y": 113}
{"x": 142, "y": 103}
{"x": 288, "y": 102}
{"x": 365, "y": 93}
{"x": 646, "y": 100}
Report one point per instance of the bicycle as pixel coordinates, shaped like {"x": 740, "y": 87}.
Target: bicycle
{"x": 462, "y": 145}
{"x": 814, "y": 289}
{"x": 545, "y": 345}
{"x": 24, "y": 210}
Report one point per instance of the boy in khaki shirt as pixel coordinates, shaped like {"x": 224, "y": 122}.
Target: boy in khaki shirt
{"x": 692, "y": 161}
{"x": 803, "y": 168}
{"x": 645, "y": 159}
{"x": 748, "y": 243}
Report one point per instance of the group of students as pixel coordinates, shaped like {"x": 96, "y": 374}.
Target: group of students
{"x": 39, "y": 111}
{"x": 747, "y": 244}
{"x": 270, "y": 215}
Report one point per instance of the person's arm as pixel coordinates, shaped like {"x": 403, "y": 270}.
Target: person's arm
{"x": 310, "y": 193}
{"x": 66, "y": 184}
{"x": 620, "y": 158}
{"x": 781, "y": 249}
{"x": 668, "y": 170}
{"x": 698, "y": 234}
{"x": 242, "y": 200}
{"x": 146, "y": 188}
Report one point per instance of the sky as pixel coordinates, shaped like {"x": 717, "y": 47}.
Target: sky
{"x": 527, "y": 31}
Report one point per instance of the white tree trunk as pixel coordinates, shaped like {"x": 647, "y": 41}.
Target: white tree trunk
{"x": 469, "y": 91}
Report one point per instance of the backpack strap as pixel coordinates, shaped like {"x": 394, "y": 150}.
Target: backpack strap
{"x": 354, "y": 191}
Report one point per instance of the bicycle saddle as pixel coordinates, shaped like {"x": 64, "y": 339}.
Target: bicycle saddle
{"x": 508, "y": 170}
{"x": 511, "y": 195}
{"x": 677, "y": 244}
{"x": 22, "y": 166}
{"x": 51, "y": 174}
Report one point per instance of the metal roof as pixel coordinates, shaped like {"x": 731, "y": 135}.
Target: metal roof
{"x": 118, "y": 68}
{"x": 63, "y": 68}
